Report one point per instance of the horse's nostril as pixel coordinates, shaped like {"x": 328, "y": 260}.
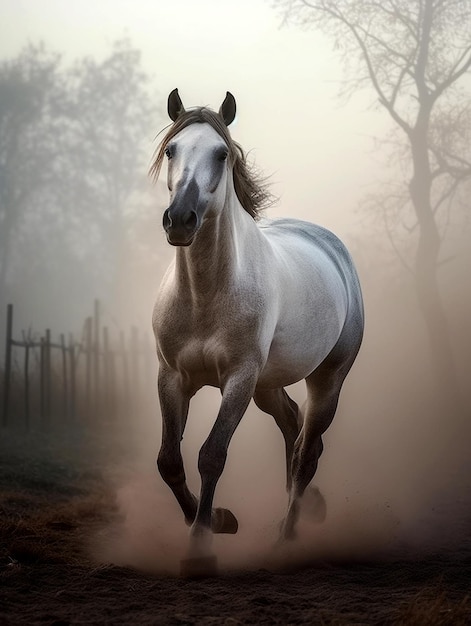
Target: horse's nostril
{"x": 167, "y": 220}
{"x": 190, "y": 219}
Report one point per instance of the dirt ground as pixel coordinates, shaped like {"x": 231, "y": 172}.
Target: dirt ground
{"x": 50, "y": 509}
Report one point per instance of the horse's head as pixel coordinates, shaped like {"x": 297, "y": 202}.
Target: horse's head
{"x": 199, "y": 156}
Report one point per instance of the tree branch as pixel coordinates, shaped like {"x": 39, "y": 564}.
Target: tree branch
{"x": 423, "y": 51}
{"x": 448, "y": 193}
{"x": 388, "y": 105}
{"x": 454, "y": 74}
{"x": 445, "y": 167}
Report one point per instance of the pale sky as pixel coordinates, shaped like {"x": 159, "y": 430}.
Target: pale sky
{"x": 285, "y": 81}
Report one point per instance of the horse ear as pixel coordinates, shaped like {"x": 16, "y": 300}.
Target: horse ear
{"x": 228, "y": 109}
{"x": 174, "y": 105}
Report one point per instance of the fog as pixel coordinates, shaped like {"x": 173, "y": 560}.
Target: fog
{"x": 395, "y": 468}
{"x": 328, "y": 144}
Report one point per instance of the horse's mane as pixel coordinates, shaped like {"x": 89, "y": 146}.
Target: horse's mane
{"x": 250, "y": 187}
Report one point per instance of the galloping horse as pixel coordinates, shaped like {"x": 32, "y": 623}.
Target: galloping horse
{"x": 248, "y": 306}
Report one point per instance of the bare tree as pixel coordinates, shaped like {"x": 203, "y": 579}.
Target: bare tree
{"x": 416, "y": 56}
{"x": 110, "y": 114}
{"x": 74, "y": 145}
{"x": 29, "y": 91}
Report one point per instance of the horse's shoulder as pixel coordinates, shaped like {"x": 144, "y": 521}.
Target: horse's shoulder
{"x": 322, "y": 245}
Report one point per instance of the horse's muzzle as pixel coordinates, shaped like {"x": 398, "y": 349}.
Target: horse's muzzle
{"x": 180, "y": 227}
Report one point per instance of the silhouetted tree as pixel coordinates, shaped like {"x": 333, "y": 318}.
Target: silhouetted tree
{"x": 111, "y": 119}
{"x": 28, "y": 88}
{"x": 412, "y": 53}
{"x": 74, "y": 149}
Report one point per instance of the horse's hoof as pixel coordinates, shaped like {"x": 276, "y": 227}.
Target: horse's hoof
{"x": 199, "y": 567}
{"x": 223, "y": 521}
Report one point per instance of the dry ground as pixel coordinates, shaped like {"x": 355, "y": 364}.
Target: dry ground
{"x": 51, "y": 506}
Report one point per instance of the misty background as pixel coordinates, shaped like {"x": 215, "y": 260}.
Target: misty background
{"x": 82, "y": 97}
{"x": 94, "y": 89}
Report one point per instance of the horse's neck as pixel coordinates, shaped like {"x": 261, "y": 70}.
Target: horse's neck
{"x": 213, "y": 261}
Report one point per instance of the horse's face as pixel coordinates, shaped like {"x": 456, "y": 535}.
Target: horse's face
{"x": 197, "y": 177}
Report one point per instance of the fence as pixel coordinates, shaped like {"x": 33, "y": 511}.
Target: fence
{"x": 99, "y": 377}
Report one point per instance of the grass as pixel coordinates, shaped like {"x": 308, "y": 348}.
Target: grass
{"x": 34, "y": 531}
{"x": 52, "y": 496}
{"x": 434, "y": 606}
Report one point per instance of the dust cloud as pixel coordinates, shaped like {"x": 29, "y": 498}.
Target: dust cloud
{"x": 395, "y": 469}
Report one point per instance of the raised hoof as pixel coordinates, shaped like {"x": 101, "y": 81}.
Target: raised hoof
{"x": 200, "y": 567}
{"x": 223, "y": 521}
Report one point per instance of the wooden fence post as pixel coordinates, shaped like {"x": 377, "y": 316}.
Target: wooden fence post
{"x": 26, "y": 375}
{"x": 88, "y": 366}
{"x": 72, "y": 411}
{"x": 105, "y": 383}
{"x": 65, "y": 408}
{"x": 7, "y": 371}
{"x": 125, "y": 405}
{"x": 112, "y": 384}
{"x": 42, "y": 381}
{"x": 96, "y": 358}
{"x": 48, "y": 385}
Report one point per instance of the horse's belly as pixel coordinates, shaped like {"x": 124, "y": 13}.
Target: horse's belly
{"x": 293, "y": 356}
{"x": 280, "y": 370}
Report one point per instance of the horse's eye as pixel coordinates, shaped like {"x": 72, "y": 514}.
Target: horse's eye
{"x": 222, "y": 156}
{"x": 168, "y": 154}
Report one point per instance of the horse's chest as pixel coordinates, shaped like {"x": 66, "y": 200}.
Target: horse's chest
{"x": 200, "y": 345}
{"x": 199, "y": 358}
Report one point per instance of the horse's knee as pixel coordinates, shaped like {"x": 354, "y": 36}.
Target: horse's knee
{"x": 170, "y": 468}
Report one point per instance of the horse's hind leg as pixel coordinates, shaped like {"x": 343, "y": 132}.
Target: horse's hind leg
{"x": 323, "y": 390}
{"x": 276, "y": 402}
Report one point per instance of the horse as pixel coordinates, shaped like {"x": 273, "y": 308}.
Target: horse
{"x": 249, "y": 306}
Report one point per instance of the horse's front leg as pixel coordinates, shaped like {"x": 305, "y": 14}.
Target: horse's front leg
{"x": 237, "y": 393}
{"x": 174, "y": 403}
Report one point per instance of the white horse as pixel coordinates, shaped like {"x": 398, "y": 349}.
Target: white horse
{"x": 248, "y": 307}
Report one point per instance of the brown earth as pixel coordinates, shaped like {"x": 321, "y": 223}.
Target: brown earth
{"x": 50, "y": 510}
